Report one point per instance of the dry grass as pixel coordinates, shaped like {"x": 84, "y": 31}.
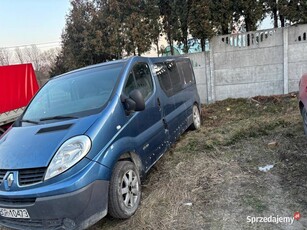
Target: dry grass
{"x": 210, "y": 179}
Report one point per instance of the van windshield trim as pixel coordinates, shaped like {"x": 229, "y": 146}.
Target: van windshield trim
{"x": 74, "y": 95}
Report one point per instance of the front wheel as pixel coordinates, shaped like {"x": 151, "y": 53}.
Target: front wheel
{"x": 124, "y": 191}
{"x": 196, "y": 118}
{"x": 304, "y": 115}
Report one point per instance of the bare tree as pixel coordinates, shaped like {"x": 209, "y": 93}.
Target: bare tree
{"x": 5, "y": 56}
{"x": 48, "y": 56}
{"x": 48, "y": 59}
{"x": 42, "y": 60}
{"x": 33, "y": 55}
{"x": 19, "y": 55}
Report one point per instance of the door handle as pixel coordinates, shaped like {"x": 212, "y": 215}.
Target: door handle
{"x": 159, "y": 103}
{"x": 165, "y": 124}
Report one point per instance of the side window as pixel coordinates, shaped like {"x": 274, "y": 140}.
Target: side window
{"x": 164, "y": 78}
{"x": 170, "y": 79}
{"x": 140, "y": 78}
{"x": 176, "y": 80}
{"x": 186, "y": 71}
{"x": 130, "y": 85}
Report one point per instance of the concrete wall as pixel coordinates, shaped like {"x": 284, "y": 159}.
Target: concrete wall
{"x": 201, "y": 66}
{"x": 297, "y": 55}
{"x": 266, "y": 62}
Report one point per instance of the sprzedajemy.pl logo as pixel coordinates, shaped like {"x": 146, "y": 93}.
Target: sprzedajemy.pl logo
{"x": 273, "y": 219}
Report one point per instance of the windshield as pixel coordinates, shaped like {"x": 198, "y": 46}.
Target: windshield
{"x": 77, "y": 94}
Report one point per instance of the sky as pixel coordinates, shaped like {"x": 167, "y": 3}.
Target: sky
{"x": 267, "y": 23}
{"x": 25, "y": 22}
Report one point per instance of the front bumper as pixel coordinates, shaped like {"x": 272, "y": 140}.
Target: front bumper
{"x": 70, "y": 211}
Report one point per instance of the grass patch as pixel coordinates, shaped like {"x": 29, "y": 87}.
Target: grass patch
{"x": 215, "y": 170}
{"x": 255, "y": 203}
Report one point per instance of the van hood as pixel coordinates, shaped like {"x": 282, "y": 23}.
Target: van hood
{"x": 34, "y": 146}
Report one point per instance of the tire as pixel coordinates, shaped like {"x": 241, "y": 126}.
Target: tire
{"x": 124, "y": 190}
{"x": 196, "y": 118}
{"x": 304, "y": 115}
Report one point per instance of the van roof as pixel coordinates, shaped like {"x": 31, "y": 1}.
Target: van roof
{"x": 94, "y": 66}
{"x": 167, "y": 58}
{"x": 153, "y": 60}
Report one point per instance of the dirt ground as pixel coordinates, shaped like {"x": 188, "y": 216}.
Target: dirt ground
{"x": 211, "y": 179}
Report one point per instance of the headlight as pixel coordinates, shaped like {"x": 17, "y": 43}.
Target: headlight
{"x": 70, "y": 153}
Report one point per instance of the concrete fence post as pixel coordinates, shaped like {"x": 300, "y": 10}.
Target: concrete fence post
{"x": 211, "y": 80}
{"x": 208, "y": 77}
{"x": 286, "y": 60}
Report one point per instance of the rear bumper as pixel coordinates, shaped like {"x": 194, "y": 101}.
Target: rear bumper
{"x": 75, "y": 210}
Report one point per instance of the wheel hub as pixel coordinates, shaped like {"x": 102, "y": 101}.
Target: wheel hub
{"x": 130, "y": 189}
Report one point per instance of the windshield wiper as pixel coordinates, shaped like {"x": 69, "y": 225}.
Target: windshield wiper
{"x": 30, "y": 121}
{"x": 58, "y": 118}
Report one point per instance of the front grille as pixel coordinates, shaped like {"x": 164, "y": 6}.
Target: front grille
{"x": 2, "y": 174}
{"x": 17, "y": 201}
{"x": 31, "y": 176}
{"x": 32, "y": 224}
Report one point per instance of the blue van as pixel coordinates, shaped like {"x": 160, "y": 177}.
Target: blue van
{"x": 81, "y": 146}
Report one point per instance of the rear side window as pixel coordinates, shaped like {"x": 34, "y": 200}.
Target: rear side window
{"x": 164, "y": 78}
{"x": 174, "y": 76}
{"x": 186, "y": 71}
{"x": 176, "y": 80}
{"x": 139, "y": 78}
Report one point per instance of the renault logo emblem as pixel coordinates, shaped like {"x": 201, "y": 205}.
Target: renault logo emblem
{"x": 10, "y": 179}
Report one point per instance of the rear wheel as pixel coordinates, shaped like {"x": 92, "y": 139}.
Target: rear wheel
{"x": 124, "y": 191}
{"x": 304, "y": 115}
{"x": 196, "y": 118}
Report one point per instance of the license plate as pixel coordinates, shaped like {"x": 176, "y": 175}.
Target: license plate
{"x": 14, "y": 213}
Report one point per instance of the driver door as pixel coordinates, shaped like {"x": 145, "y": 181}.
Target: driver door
{"x": 151, "y": 135}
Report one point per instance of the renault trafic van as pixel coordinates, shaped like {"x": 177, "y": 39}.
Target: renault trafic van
{"x": 81, "y": 146}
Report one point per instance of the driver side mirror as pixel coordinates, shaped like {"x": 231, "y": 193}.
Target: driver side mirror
{"x": 135, "y": 101}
